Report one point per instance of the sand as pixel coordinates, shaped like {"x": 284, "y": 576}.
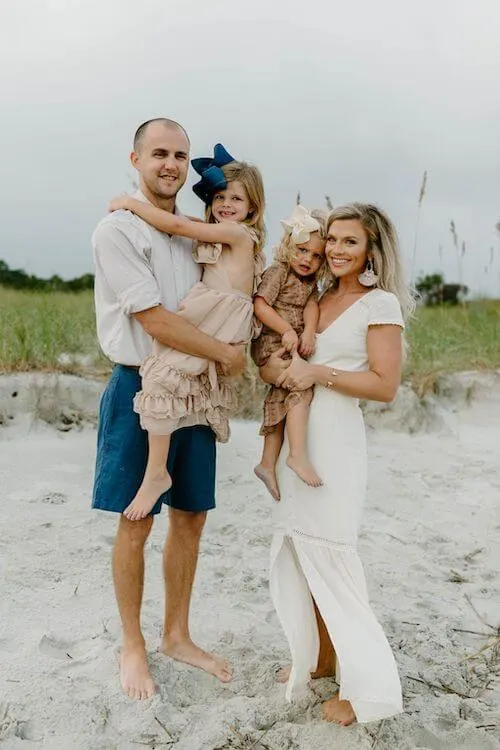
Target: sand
{"x": 430, "y": 546}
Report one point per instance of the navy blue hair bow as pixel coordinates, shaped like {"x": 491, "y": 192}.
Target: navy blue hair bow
{"x": 212, "y": 176}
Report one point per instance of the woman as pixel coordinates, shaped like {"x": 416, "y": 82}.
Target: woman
{"x": 316, "y": 580}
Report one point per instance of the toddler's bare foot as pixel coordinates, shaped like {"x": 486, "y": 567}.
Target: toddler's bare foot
{"x": 302, "y": 467}
{"x": 147, "y": 495}
{"x": 135, "y": 679}
{"x": 338, "y": 712}
{"x": 268, "y": 476}
{"x": 189, "y": 653}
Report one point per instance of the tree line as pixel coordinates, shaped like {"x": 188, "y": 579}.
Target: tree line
{"x": 19, "y": 279}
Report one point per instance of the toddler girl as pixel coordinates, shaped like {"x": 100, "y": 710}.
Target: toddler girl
{"x": 286, "y": 303}
{"x": 179, "y": 390}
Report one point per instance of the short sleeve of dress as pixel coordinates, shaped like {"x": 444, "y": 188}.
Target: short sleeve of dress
{"x": 384, "y": 309}
{"x": 273, "y": 279}
{"x": 206, "y": 252}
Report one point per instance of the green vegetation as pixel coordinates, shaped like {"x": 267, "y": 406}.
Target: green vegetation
{"x": 36, "y": 328}
{"x": 445, "y": 339}
{"x": 15, "y": 278}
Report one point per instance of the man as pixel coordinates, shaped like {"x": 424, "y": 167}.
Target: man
{"x": 141, "y": 275}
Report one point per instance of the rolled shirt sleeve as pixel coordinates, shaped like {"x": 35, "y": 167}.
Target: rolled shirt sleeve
{"x": 120, "y": 253}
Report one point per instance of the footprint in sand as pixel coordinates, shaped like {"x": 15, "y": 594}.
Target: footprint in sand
{"x": 57, "y": 648}
{"x": 54, "y": 498}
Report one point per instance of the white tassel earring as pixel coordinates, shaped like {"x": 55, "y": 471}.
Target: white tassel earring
{"x": 368, "y": 277}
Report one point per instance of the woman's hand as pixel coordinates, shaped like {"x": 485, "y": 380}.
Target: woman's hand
{"x": 297, "y": 377}
{"x": 121, "y": 201}
{"x": 274, "y": 366}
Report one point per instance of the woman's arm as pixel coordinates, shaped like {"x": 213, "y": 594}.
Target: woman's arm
{"x": 227, "y": 232}
{"x": 380, "y": 383}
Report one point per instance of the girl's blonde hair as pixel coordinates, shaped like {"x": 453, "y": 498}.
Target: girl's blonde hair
{"x": 251, "y": 179}
{"x": 383, "y": 245}
{"x": 286, "y": 251}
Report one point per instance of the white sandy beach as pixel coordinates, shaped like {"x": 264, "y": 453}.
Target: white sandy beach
{"x": 431, "y": 550}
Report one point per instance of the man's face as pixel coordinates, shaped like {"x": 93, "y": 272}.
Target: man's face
{"x": 162, "y": 160}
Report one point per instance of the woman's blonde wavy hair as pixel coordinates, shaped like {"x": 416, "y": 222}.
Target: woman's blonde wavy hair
{"x": 286, "y": 251}
{"x": 251, "y": 179}
{"x": 383, "y": 245}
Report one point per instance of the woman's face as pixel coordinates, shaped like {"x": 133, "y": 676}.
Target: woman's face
{"x": 346, "y": 247}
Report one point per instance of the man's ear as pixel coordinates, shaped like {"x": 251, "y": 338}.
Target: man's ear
{"x": 134, "y": 158}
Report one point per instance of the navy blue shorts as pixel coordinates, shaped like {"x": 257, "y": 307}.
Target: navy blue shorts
{"x": 122, "y": 449}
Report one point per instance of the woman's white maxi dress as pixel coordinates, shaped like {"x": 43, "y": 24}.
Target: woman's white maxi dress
{"x": 314, "y": 548}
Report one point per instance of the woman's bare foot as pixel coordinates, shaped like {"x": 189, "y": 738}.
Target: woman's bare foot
{"x": 135, "y": 678}
{"x": 189, "y": 653}
{"x": 268, "y": 476}
{"x": 283, "y": 674}
{"x": 338, "y": 712}
{"x": 304, "y": 470}
{"x": 147, "y": 495}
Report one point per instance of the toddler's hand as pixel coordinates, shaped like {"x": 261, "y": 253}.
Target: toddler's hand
{"x": 290, "y": 340}
{"x": 307, "y": 344}
{"x": 120, "y": 201}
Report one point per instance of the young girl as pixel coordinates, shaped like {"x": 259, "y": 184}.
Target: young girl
{"x": 286, "y": 303}
{"x": 178, "y": 389}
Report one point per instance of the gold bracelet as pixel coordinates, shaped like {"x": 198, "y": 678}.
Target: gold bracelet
{"x": 331, "y": 383}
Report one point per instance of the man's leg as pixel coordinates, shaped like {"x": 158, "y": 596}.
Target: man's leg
{"x": 180, "y": 557}
{"x": 128, "y": 577}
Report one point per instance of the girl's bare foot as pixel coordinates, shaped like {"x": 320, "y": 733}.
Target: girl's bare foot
{"x": 283, "y": 674}
{"x": 338, "y": 712}
{"x": 147, "y": 495}
{"x": 268, "y": 476}
{"x": 189, "y": 653}
{"x": 304, "y": 470}
{"x": 135, "y": 678}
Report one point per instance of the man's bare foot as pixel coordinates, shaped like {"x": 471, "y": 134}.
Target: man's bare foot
{"x": 268, "y": 476}
{"x": 302, "y": 467}
{"x": 135, "y": 678}
{"x": 338, "y": 712}
{"x": 147, "y": 495}
{"x": 189, "y": 653}
{"x": 283, "y": 674}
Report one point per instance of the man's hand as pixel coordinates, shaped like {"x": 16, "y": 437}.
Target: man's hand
{"x": 290, "y": 340}
{"x": 236, "y": 361}
{"x": 307, "y": 344}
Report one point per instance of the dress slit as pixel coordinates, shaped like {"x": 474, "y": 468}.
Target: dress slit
{"x": 365, "y": 670}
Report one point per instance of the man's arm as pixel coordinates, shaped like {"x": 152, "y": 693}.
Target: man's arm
{"x": 137, "y": 292}
{"x": 172, "y": 330}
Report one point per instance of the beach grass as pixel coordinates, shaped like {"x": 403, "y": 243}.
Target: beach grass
{"x": 56, "y": 331}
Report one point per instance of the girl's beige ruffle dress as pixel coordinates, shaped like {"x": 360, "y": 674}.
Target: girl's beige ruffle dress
{"x": 181, "y": 390}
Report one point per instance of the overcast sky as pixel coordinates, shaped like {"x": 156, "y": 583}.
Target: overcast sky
{"x": 350, "y": 99}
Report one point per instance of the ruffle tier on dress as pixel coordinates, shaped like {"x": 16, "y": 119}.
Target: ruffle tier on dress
{"x": 181, "y": 390}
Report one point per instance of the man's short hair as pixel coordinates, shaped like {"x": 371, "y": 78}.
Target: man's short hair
{"x": 141, "y": 130}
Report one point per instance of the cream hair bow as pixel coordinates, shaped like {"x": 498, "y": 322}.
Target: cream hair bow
{"x": 300, "y": 225}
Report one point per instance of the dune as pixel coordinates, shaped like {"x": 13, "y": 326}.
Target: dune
{"x": 429, "y": 544}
